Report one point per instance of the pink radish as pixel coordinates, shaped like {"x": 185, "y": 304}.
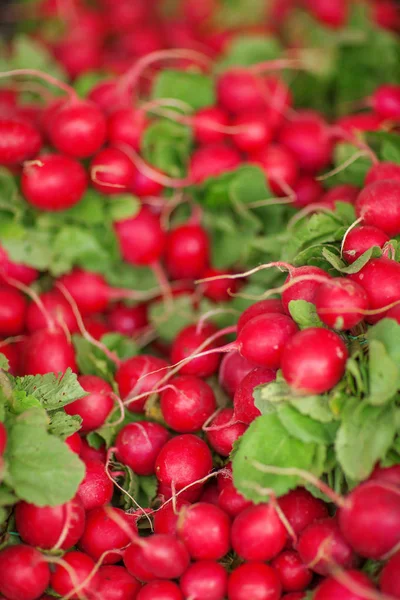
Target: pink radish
{"x": 24, "y": 573}
{"x": 382, "y": 170}
{"x": 13, "y": 308}
{"x": 187, "y": 252}
{"x": 187, "y": 404}
{"x": 219, "y": 290}
{"x": 205, "y": 580}
{"x": 163, "y": 555}
{"x": 165, "y": 519}
{"x": 20, "y": 141}
{"x": 338, "y": 302}
{"x": 47, "y": 351}
{"x": 280, "y": 167}
{"x": 301, "y": 509}
{"x": 389, "y": 581}
{"x": 82, "y": 565}
{"x": 386, "y": 101}
{"x": 111, "y": 171}
{"x": 138, "y": 445}
{"x": 187, "y": 342}
{"x": 57, "y": 307}
{"x": 380, "y": 278}
{"x": 307, "y": 191}
{"x": 128, "y": 320}
{"x": 160, "y": 590}
{"x": 96, "y": 489}
{"x": 308, "y": 138}
{"x": 243, "y": 402}
{"x": 271, "y": 305}
{"x": 378, "y": 204}
{"x": 254, "y": 580}
{"x": 212, "y": 160}
{"x": 18, "y": 271}
{"x": 340, "y": 193}
{"x": 292, "y": 572}
{"x": 361, "y": 239}
{"x": 258, "y": 534}
{"x": 126, "y": 126}
{"x": 306, "y": 288}
{"x": 209, "y": 124}
{"x": 141, "y": 238}
{"x": 355, "y": 586}
{"x": 223, "y": 431}
{"x": 95, "y": 407}
{"x": 233, "y": 369}
{"x": 135, "y": 377}
{"x": 117, "y": 584}
{"x": 205, "y": 531}
{"x": 231, "y": 501}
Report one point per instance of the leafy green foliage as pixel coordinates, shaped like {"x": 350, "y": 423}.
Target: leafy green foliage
{"x": 52, "y": 391}
{"x": 92, "y": 360}
{"x": 195, "y": 89}
{"x": 166, "y": 145}
{"x": 246, "y": 50}
{"x": 304, "y": 313}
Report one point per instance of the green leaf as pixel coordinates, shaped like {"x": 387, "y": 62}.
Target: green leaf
{"x": 168, "y": 320}
{"x": 123, "y": 207}
{"x": 353, "y": 174}
{"x": 28, "y": 53}
{"x": 31, "y": 247}
{"x": 90, "y": 210}
{"x": 84, "y": 83}
{"x": 63, "y": 425}
{"x": 74, "y": 245}
{"x": 391, "y": 151}
{"x": 91, "y": 360}
{"x": 304, "y": 314}
{"x": 196, "y": 89}
{"x": 304, "y": 427}
{"x": 246, "y": 50}
{"x": 52, "y": 391}
{"x": 4, "y": 364}
{"x": 167, "y": 146}
{"x": 21, "y": 401}
{"x": 384, "y": 374}
{"x": 387, "y": 331}
{"x": 148, "y": 489}
{"x": 357, "y": 265}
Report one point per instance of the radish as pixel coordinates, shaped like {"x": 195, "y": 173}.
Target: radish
{"x": 94, "y": 408}
{"x": 13, "y": 308}
{"x": 187, "y": 342}
{"x": 141, "y": 238}
{"x": 96, "y": 489}
{"x": 304, "y": 289}
{"x": 389, "y": 581}
{"x": 302, "y": 509}
{"x": 165, "y": 518}
{"x": 307, "y": 191}
{"x": 254, "y": 580}
{"x": 210, "y": 494}
{"x": 355, "y": 586}
{"x": 308, "y": 138}
{"x": 108, "y": 96}
{"x": 47, "y": 351}
{"x": 87, "y": 453}
{"x": 187, "y": 404}
{"x": 254, "y": 132}
{"x": 53, "y": 182}
{"x": 187, "y": 252}
{"x": 205, "y": 580}
{"x": 103, "y": 532}
{"x": 382, "y": 170}
{"x": 231, "y": 501}
{"x": 78, "y": 56}
{"x": 280, "y": 167}
{"x": 378, "y": 204}
{"x": 126, "y": 126}
{"x": 135, "y": 376}
{"x": 212, "y": 160}
{"x": 389, "y": 474}
{"x": 258, "y": 534}
{"x": 64, "y": 583}
{"x": 322, "y": 545}
{"x": 143, "y": 184}
{"x": 183, "y": 461}
{"x": 205, "y": 530}
{"x": 3, "y": 438}
{"x": 295, "y": 596}
{"x": 111, "y": 171}
{"x": 160, "y": 590}
{"x": 314, "y": 360}
{"x": 20, "y": 141}
{"x": 116, "y": 584}
{"x": 128, "y": 320}
{"x": 386, "y": 101}
{"x": 370, "y": 519}
{"x": 18, "y": 271}
{"x": 380, "y": 278}
{"x": 333, "y": 15}
{"x": 292, "y": 572}
{"x": 56, "y": 307}
{"x": 138, "y": 445}
{"x": 24, "y": 573}
{"x": 340, "y": 193}
{"x": 361, "y": 239}
{"x": 163, "y": 555}
{"x": 219, "y": 290}
{"x": 359, "y": 122}
{"x": 223, "y": 432}
{"x": 243, "y": 402}
{"x": 271, "y": 305}
{"x": 74, "y": 443}
{"x": 338, "y": 302}
{"x": 50, "y": 527}
{"x": 233, "y": 369}
{"x": 134, "y": 562}
{"x": 209, "y": 125}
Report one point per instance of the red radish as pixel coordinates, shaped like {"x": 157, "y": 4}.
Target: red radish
{"x": 57, "y": 307}
{"x": 254, "y": 580}
{"x": 24, "y": 573}
{"x": 224, "y": 477}
{"x": 301, "y": 509}
{"x": 126, "y": 126}
{"x": 183, "y": 460}
{"x": 263, "y": 339}
{"x": 258, "y": 534}
{"x": 370, "y": 519}
{"x": 163, "y": 555}
{"x": 96, "y": 327}
{"x": 53, "y": 182}
{"x": 88, "y": 453}
{"x": 20, "y": 141}
{"x": 96, "y": 489}
{"x": 322, "y": 544}
{"x": 78, "y": 56}
{"x": 187, "y": 252}
{"x": 3, "y": 438}
{"x": 340, "y": 193}
{"x": 380, "y": 278}
{"x": 12, "y": 354}
{"x": 361, "y": 239}
{"x": 78, "y": 128}
{"x": 332, "y": 588}
{"x": 240, "y": 91}
{"x": 378, "y": 204}
{"x": 134, "y": 562}
{"x": 187, "y": 404}
{"x": 116, "y": 584}
{"x": 338, "y": 302}
{"x": 128, "y": 320}
{"x": 221, "y": 439}
{"x": 354, "y": 124}
{"x": 205, "y": 531}
{"x": 133, "y": 379}
{"x": 389, "y": 581}
{"x": 386, "y": 101}
{"x": 94, "y": 408}
{"x": 143, "y": 185}
{"x": 107, "y": 96}
{"x": 20, "y": 272}
{"x": 305, "y": 289}
{"x": 232, "y": 370}
{"x": 219, "y": 290}
{"x": 160, "y": 590}
{"x": 209, "y": 124}
{"x": 280, "y": 167}
{"x": 255, "y": 132}
{"x": 212, "y": 160}
{"x": 389, "y": 474}
{"x": 307, "y": 136}
{"x": 210, "y": 494}
{"x": 292, "y": 572}
{"x": 205, "y": 580}
{"x": 166, "y": 517}
{"x": 13, "y": 307}
{"x": 141, "y": 238}
{"x": 385, "y": 13}
{"x": 231, "y": 501}
{"x": 138, "y": 445}
{"x": 307, "y": 191}
{"x": 50, "y": 526}
{"x": 82, "y": 565}
{"x": 382, "y": 170}
{"x": 74, "y": 443}
{"x": 333, "y": 15}
{"x": 243, "y": 401}
{"x": 187, "y": 342}
{"x": 111, "y": 171}
{"x": 271, "y": 305}
{"x": 47, "y": 351}
{"x": 294, "y": 596}
{"x": 103, "y": 532}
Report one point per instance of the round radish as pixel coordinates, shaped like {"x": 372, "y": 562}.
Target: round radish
{"x": 243, "y": 402}
{"x": 15, "y": 270}
{"x": 160, "y": 590}
{"x": 205, "y": 531}
{"x": 221, "y": 439}
{"x": 307, "y": 137}
{"x": 241, "y": 92}
{"x": 255, "y": 132}
{"x": 135, "y": 377}
{"x": 332, "y": 589}
{"x": 292, "y": 572}
{"x": 96, "y": 406}
{"x": 305, "y": 289}
{"x": 378, "y": 204}
{"x": 208, "y": 124}
{"x": 361, "y": 239}
{"x": 187, "y": 404}
{"x": 111, "y": 171}
{"x": 87, "y": 453}
{"x": 231, "y": 501}
{"x": 307, "y": 191}
{"x": 187, "y": 343}
{"x": 212, "y": 160}
{"x": 232, "y": 370}
{"x": 380, "y": 278}
{"x": 164, "y": 556}
{"x": 74, "y": 443}
{"x": 389, "y": 580}
{"x": 13, "y": 308}
{"x": 134, "y": 562}
{"x": 219, "y": 290}
{"x": 254, "y": 580}
{"x": 128, "y": 320}
{"x": 126, "y": 126}
{"x": 386, "y": 101}
{"x": 138, "y": 445}
{"x": 96, "y": 489}
{"x": 280, "y": 167}
{"x": 24, "y": 573}
{"x": 187, "y": 252}
{"x": 64, "y": 583}
{"x": 258, "y": 534}
{"x": 341, "y": 303}
{"x": 382, "y": 170}
{"x": 57, "y": 307}
{"x": 340, "y": 193}
{"x": 205, "y": 580}
{"x": 301, "y": 509}
{"x": 271, "y": 305}
{"x": 47, "y": 351}
{"x": 165, "y": 518}
{"x": 333, "y": 15}
{"x": 19, "y": 141}
{"x": 117, "y": 584}
{"x": 141, "y": 238}
{"x": 389, "y": 474}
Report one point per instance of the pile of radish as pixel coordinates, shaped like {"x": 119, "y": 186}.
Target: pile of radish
{"x": 200, "y": 302}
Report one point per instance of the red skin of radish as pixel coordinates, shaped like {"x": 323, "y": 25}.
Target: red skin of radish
{"x": 126, "y": 126}
{"x": 165, "y": 519}
{"x": 57, "y": 307}
{"x": 186, "y": 408}
{"x": 386, "y": 101}
{"x": 222, "y": 440}
{"x": 96, "y": 327}
{"x": 128, "y": 320}
{"x": 314, "y": 360}
{"x": 263, "y": 339}
{"x": 94, "y": 408}
{"x": 210, "y": 494}
{"x": 271, "y": 305}
{"x": 187, "y": 252}
{"x": 254, "y": 580}
{"x": 74, "y": 443}
{"x": 13, "y": 307}
{"x": 141, "y": 185}
{"x": 20, "y": 141}
{"x": 212, "y": 160}
{"x": 232, "y": 370}
{"x": 323, "y": 539}
{"x": 78, "y": 129}
{"x": 205, "y": 531}
{"x": 107, "y": 96}
{"x": 331, "y": 14}
{"x": 62, "y": 582}
{"x": 389, "y": 581}
{"x": 186, "y": 343}
{"x": 88, "y": 453}
{"x": 307, "y": 191}
{"x": 257, "y": 132}
{"x": 307, "y": 138}
{"x": 134, "y": 562}
{"x": 138, "y": 445}
{"x": 219, "y": 290}
{"x": 111, "y": 171}
{"x": 205, "y": 580}
{"x": 304, "y": 290}
{"x": 47, "y": 351}
{"x": 24, "y": 573}
{"x": 206, "y": 123}
{"x": 231, "y": 501}
{"x": 125, "y": 15}
{"x": 96, "y": 489}
{"x": 353, "y": 124}
{"x": 389, "y": 474}
{"x": 183, "y": 460}
{"x": 333, "y": 299}
{"x": 378, "y": 204}
{"x": 89, "y": 290}
{"x": 278, "y": 164}
{"x": 302, "y": 509}
{"x": 382, "y": 170}
{"x": 386, "y": 14}
{"x": 380, "y": 278}
{"x": 129, "y": 374}
{"x": 117, "y": 584}
{"x": 292, "y": 572}
{"x": 57, "y": 183}
{"x": 44, "y": 526}
{"x": 78, "y": 56}
{"x": 141, "y": 238}
{"x": 243, "y": 402}
{"x": 294, "y": 596}
{"x": 370, "y": 520}
{"x": 361, "y": 239}
{"x": 258, "y": 534}
{"x": 3, "y": 438}
{"x": 12, "y": 353}
{"x": 102, "y": 533}
{"x": 160, "y": 590}
{"x": 18, "y": 271}
{"x": 340, "y": 193}
{"x": 164, "y": 556}
{"x": 241, "y": 92}
{"x": 331, "y": 589}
